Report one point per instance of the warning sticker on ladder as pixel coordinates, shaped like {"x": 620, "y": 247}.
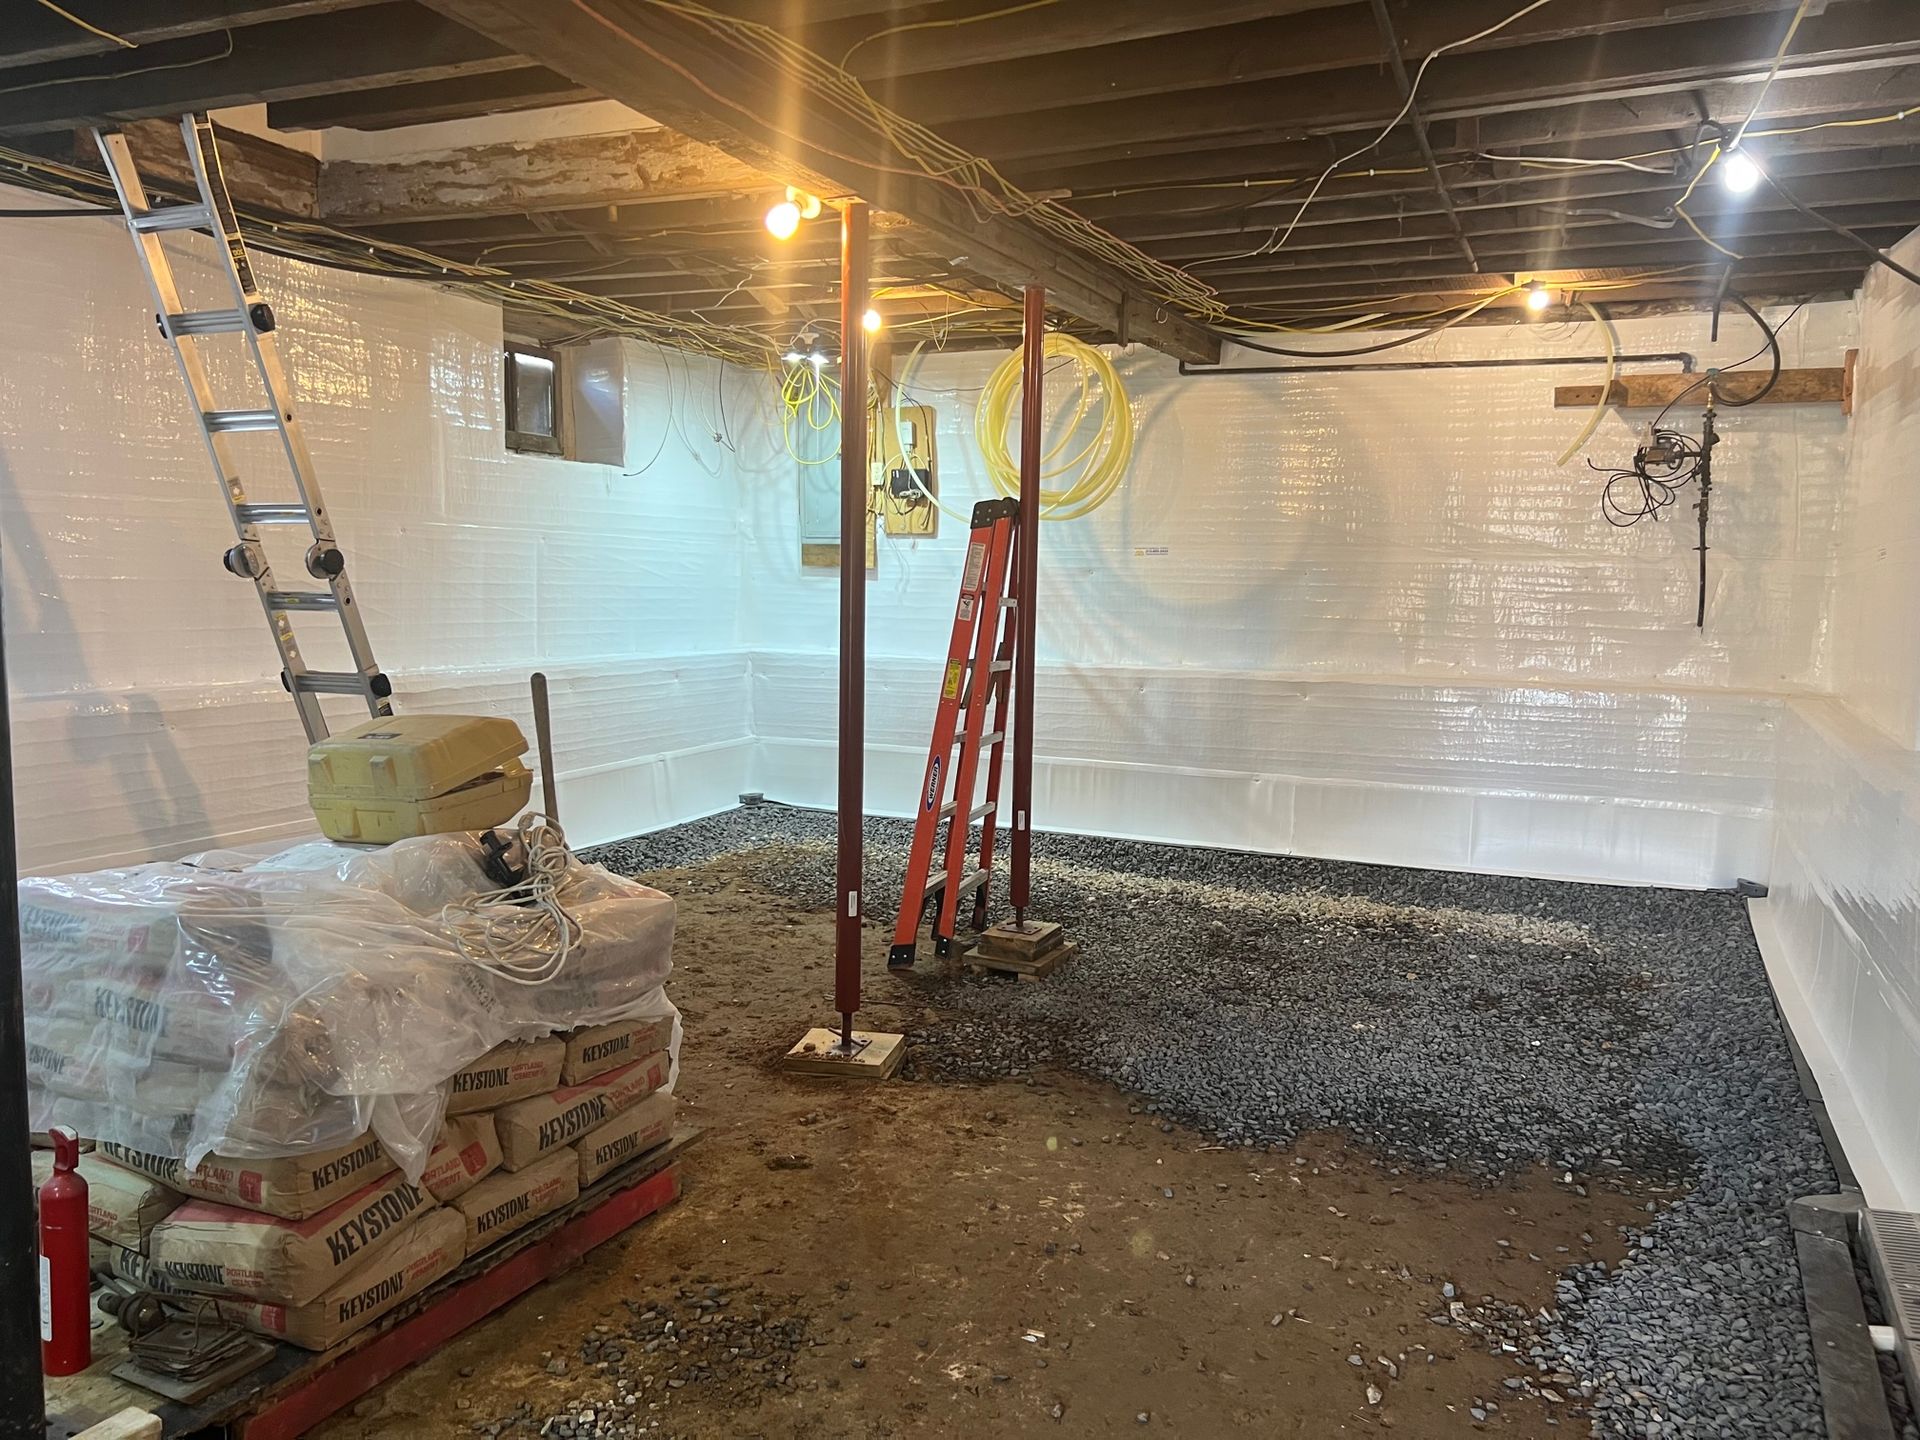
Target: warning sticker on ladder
{"x": 966, "y": 607}
{"x": 955, "y": 672}
{"x": 976, "y": 564}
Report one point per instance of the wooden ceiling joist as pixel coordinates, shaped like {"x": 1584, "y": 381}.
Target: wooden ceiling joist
{"x": 642, "y": 55}
{"x": 315, "y": 55}
{"x": 36, "y": 34}
{"x": 1675, "y": 59}
{"x": 428, "y": 101}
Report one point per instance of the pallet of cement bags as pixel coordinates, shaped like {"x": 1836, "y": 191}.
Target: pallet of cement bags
{"x": 254, "y": 1010}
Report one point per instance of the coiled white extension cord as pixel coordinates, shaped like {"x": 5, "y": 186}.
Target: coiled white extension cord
{"x": 522, "y": 933}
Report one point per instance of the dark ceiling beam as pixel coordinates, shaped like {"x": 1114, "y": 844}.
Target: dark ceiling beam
{"x": 668, "y": 67}
{"x": 1576, "y": 128}
{"x": 1815, "y": 183}
{"x": 1646, "y": 257}
{"x": 952, "y": 57}
{"x": 1274, "y": 46}
{"x": 1585, "y": 245}
{"x": 36, "y": 35}
{"x": 1478, "y": 186}
{"x": 1542, "y": 228}
{"x": 571, "y": 173}
{"x": 531, "y": 88}
{"x": 1864, "y": 34}
{"x": 1803, "y": 281}
{"x": 309, "y": 56}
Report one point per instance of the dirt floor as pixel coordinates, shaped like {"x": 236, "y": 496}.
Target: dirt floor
{"x": 1035, "y": 1256}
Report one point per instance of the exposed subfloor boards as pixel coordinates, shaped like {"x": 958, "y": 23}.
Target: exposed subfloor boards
{"x": 1470, "y": 1023}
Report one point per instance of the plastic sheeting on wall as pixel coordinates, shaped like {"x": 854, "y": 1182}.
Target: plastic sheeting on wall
{"x": 1845, "y": 905}
{"x": 1367, "y": 615}
{"x": 149, "y": 717}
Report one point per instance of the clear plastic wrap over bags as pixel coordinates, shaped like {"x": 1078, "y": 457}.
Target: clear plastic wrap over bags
{"x": 257, "y": 1008}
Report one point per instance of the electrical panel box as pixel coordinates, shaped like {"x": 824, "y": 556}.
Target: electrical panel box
{"x": 816, "y": 458}
{"x": 907, "y": 478}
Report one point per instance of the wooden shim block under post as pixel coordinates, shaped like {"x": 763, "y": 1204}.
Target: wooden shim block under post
{"x": 874, "y": 1056}
{"x": 1634, "y": 392}
{"x": 1029, "y": 951}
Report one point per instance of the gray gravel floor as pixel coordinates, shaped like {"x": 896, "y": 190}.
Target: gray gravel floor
{"x": 1479, "y": 1023}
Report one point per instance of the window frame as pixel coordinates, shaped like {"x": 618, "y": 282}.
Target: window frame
{"x": 530, "y": 442}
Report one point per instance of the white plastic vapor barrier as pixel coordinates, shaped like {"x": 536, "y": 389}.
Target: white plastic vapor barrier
{"x": 1366, "y": 615}
{"x": 149, "y": 718}
{"x": 1841, "y": 928}
{"x": 1845, "y": 908}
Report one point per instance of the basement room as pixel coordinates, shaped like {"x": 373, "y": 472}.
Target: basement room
{"x": 880, "y": 718}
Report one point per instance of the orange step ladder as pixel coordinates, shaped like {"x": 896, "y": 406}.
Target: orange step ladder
{"x": 978, "y": 677}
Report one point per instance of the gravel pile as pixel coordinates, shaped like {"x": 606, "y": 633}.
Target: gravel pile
{"x": 729, "y": 1346}
{"x": 1470, "y": 1022}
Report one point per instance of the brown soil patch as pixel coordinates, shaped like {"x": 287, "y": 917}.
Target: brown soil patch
{"x": 1011, "y": 1248}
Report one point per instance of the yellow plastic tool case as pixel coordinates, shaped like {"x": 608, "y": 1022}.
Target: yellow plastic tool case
{"x": 404, "y": 775}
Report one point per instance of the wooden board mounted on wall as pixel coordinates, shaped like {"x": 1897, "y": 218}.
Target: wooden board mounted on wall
{"x": 1634, "y": 392}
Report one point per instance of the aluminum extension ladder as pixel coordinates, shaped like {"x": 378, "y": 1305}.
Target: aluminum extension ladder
{"x": 252, "y": 317}
{"x": 978, "y": 676}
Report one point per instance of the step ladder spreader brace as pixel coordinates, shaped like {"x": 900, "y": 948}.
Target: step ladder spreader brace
{"x": 978, "y": 677}
{"x": 250, "y": 316}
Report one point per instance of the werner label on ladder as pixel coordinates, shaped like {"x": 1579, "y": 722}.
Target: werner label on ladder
{"x": 248, "y": 315}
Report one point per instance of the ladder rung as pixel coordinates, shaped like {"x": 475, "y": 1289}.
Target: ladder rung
{"x": 207, "y": 322}
{"x": 331, "y": 682}
{"x": 979, "y": 812}
{"x": 275, "y": 514}
{"x": 993, "y": 737}
{"x": 301, "y": 600}
{"x": 1007, "y": 602}
{"x": 937, "y": 880}
{"x": 173, "y": 217}
{"x": 999, "y": 667}
{"x": 223, "y": 420}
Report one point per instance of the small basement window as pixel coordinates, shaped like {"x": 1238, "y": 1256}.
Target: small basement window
{"x": 533, "y": 401}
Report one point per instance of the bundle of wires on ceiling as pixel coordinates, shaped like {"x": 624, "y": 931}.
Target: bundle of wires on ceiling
{"x": 831, "y": 88}
{"x": 522, "y": 932}
{"x": 317, "y": 243}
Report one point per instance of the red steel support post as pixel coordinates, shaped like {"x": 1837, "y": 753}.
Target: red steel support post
{"x": 853, "y": 610}
{"x": 1026, "y": 590}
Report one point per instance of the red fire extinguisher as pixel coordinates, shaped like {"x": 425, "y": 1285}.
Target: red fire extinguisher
{"x": 66, "y": 1312}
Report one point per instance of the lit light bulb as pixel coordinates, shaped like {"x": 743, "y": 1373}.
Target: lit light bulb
{"x": 1538, "y": 297}
{"x": 794, "y": 357}
{"x": 783, "y": 219}
{"x": 871, "y": 322}
{"x": 819, "y": 358}
{"x": 1738, "y": 173}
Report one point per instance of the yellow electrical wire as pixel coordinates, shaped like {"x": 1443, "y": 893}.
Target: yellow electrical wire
{"x": 808, "y": 396}
{"x": 934, "y": 24}
{"x": 91, "y": 29}
{"x": 1606, "y": 387}
{"x": 1091, "y": 472}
